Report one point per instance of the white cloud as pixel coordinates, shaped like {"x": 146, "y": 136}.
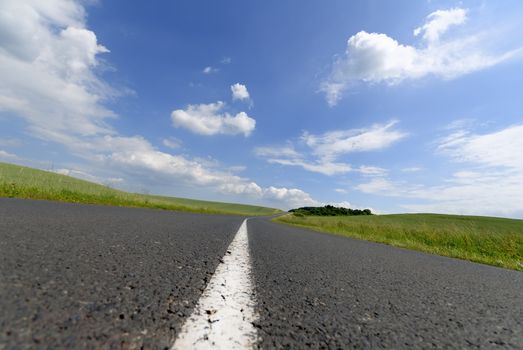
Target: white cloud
{"x": 239, "y": 92}
{"x": 48, "y": 65}
{"x": 287, "y": 155}
{"x": 285, "y": 151}
{"x": 47, "y": 62}
{"x": 381, "y": 186}
{"x": 89, "y": 177}
{"x": 335, "y": 143}
{"x": 4, "y": 155}
{"x": 136, "y": 156}
{"x": 210, "y": 70}
{"x": 491, "y": 184}
{"x": 323, "y": 150}
{"x": 498, "y": 149}
{"x": 208, "y": 119}
{"x": 491, "y": 193}
{"x": 343, "y": 204}
{"x": 292, "y": 196}
{"x": 438, "y": 23}
{"x": 326, "y": 168}
{"x": 378, "y": 58}
{"x": 341, "y": 190}
{"x": 10, "y": 142}
{"x": 413, "y": 169}
{"x": 460, "y": 124}
{"x": 371, "y": 170}
{"x": 226, "y": 60}
{"x": 237, "y": 168}
{"x": 172, "y": 142}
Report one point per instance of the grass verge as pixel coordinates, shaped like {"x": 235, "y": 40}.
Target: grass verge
{"x": 23, "y": 182}
{"x": 487, "y": 240}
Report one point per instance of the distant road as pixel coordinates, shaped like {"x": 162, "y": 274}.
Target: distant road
{"x": 79, "y": 276}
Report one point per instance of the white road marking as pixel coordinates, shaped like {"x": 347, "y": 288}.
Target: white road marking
{"x": 225, "y": 312}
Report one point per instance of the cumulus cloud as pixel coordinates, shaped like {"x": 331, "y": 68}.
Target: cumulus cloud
{"x": 239, "y": 92}
{"x": 322, "y": 151}
{"x": 209, "y": 119}
{"x": 136, "y": 157}
{"x": 294, "y": 197}
{"x": 378, "y": 58}
{"x": 490, "y": 184}
{"x": 48, "y": 64}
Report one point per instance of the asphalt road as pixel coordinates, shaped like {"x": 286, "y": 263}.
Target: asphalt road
{"x": 326, "y": 291}
{"x": 77, "y": 276}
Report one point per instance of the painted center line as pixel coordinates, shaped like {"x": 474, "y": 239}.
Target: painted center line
{"x": 224, "y": 314}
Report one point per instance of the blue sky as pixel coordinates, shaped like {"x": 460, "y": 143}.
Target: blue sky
{"x": 411, "y": 106}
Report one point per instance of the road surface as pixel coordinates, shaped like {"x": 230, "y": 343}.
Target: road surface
{"x": 80, "y": 276}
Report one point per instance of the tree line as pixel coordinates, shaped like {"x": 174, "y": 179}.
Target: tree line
{"x": 329, "y": 210}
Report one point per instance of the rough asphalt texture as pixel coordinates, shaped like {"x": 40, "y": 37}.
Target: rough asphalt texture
{"x": 323, "y": 291}
{"x": 77, "y": 276}
{"x": 95, "y": 277}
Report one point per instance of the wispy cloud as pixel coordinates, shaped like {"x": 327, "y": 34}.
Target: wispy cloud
{"x": 111, "y": 181}
{"x": 277, "y": 152}
{"x": 439, "y": 22}
{"x": 321, "y": 167}
{"x": 7, "y": 156}
{"x": 320, "y": 153}
{"x": 335, "y": 143}
{"x": 498, "y": 149}
{"x": 11, "y": 142}
{"x": 491, "y": 182}
{"x": 378, "y": 58}
{"x": 413, "y": 169}
{"x": 172, "y": 142}
{"x": 210, "y": 70}
{"x": 371, "y": 170}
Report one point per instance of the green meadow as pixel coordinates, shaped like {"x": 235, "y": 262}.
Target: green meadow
{"x": 487, "y": 240}
{"x": 23, "y": 182}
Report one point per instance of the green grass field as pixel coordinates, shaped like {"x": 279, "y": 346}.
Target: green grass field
{"x": 23, "y": 182}
{"x": 488, "y": 240}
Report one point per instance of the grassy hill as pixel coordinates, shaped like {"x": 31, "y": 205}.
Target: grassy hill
{"x": 488, "y": 240}
{"x": 23, "y": 182}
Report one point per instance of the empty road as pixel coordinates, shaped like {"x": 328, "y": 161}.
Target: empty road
{"x": 97, "y": 277}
